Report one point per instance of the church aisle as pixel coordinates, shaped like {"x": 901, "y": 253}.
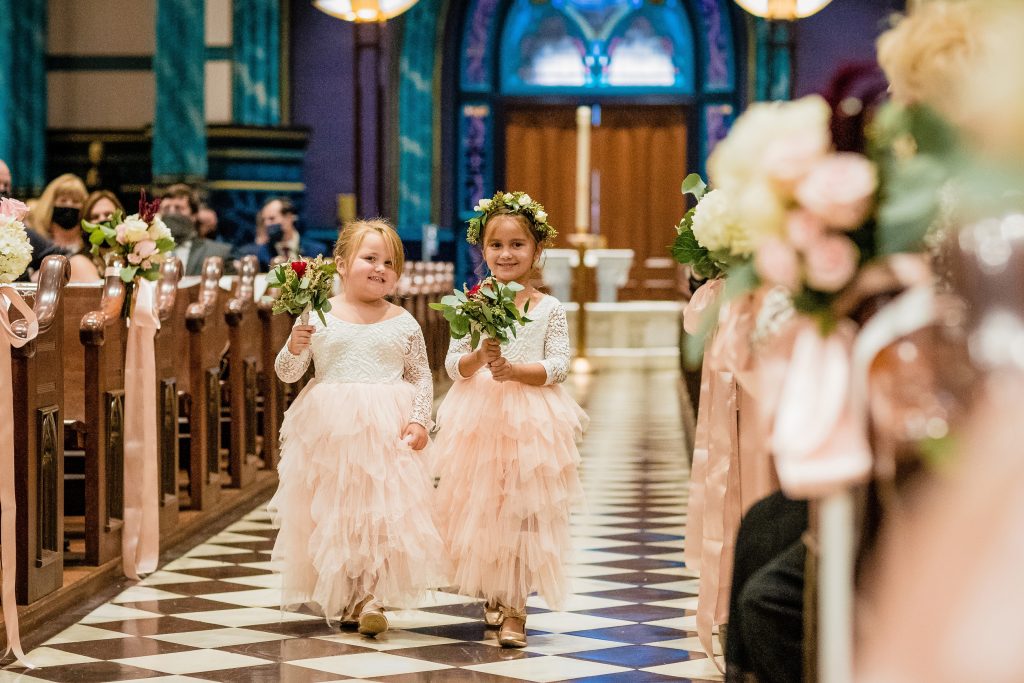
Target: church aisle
{"x": 211, "y": 615}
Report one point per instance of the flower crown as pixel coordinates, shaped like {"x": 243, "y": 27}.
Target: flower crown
{"x": 517, "y": 203}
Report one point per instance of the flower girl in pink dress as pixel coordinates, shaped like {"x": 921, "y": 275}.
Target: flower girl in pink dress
{"x": 506, "y": 448}
{"x": 353, "y": 503}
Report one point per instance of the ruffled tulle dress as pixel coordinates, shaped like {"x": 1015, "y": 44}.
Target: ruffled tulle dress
{"x": 354, "y": 502}
{"x": 508, "y": 469}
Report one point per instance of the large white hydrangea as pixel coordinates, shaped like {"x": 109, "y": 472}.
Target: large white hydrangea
{"x": 15, "y": 249}
{"x": 714, "y": 222}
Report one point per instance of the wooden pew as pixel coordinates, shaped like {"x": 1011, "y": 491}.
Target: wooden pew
{"x": 207, "y": 339}
{"x": 245, "y": 361}
{"x": 168, "y": 344}
{"x": 94, "y": 348}
{"x": 39, "y": 437}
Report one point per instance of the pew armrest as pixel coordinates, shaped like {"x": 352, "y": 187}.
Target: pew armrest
{"x": 94, "y": 323}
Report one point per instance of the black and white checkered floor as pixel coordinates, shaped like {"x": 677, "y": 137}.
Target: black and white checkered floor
{"x": 211, "y": 615}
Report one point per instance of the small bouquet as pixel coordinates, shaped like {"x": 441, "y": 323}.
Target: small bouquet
{"x": 15, "y": 249}
{"x": 138, "y": 244}
{"x": 689, "y": 247}
{"x": 488, "y": 309}
{"x": 304, "y": 285}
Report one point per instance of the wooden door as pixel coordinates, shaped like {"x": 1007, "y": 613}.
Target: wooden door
{"x": 639, "y": 159}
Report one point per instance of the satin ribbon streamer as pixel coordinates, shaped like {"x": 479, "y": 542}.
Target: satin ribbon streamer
{"x": 8, "y": 504}
{"x": 140, "y": 540}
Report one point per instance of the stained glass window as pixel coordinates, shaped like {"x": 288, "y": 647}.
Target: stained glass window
{"x": 582, "y": 45}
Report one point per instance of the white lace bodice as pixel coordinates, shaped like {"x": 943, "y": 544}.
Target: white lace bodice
{"x": 386, "y": 352}
{"x": 544, "y": 340}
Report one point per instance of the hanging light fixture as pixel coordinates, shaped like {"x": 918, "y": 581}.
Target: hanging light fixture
{"x": 363, "y": 11}
{"x": 782, "y": 10}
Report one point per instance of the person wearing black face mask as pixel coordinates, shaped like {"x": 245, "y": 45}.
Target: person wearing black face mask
{"x": 278, "y": 235}
{"x": 57, "y": 217}
{"x": 178, "y": 208}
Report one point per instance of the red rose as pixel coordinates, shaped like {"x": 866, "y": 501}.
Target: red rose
{"x": 473, "y": 291}
{"x": 299, "y": 267}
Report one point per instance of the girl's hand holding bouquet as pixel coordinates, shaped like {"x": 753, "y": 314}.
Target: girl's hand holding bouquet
{"x": 487, "y": 310}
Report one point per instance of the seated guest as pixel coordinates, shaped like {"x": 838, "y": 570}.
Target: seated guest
{"x": 100, "y": 206}
{"x": 5, "y": 179}
{"x": 206, "y": 222}
{"x": 178, "y": 208}
{"x": 278, "y": 235}
{"x": 57, "y": 217}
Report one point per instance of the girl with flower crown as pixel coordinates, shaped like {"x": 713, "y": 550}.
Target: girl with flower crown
{"x": 506, "y": 445}
{"x": 353, "y": 501}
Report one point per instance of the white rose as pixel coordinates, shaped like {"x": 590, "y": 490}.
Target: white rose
{"x": 542, "y": 216}
{"x": 135, "y": 229}
{"x": 159, "y": 230}
{"x": 483, "y": 204}
{"x": 754, "y": 147}
{"x": 525, "y": 200}
{"x": 509, "y": 198}
{"x": 712, "y": 221}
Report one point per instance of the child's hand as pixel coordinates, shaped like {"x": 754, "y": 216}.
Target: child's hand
{"x": 415, "y": 435}
{"x": 300, "y": 339}
{"x": 490, "y": 350}
{"x": 502, "y": 370}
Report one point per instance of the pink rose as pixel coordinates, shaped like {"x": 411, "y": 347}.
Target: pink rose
{"x": 145, "y": 248}
{"x": 790, "y": 159}
{"x": 839, "y": 189}
{"x": 831, "y": 262}
{"x": 776, "y": 263}
{"x": 134, "y": 259}
{"x": 122, "y": 234}
{"x": 13, "y": 208}
{"x": 803, "y": 228}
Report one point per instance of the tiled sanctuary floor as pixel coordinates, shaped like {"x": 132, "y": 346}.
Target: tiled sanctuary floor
{"x": 211, "y": 615}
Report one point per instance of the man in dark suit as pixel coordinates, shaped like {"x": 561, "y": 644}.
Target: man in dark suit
{"x": 178, "y": 208}
{"x": 278, "y": 235}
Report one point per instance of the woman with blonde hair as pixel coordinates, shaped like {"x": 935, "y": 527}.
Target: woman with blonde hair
{"x": 57, "y": 215}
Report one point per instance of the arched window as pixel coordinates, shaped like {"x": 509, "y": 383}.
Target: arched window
{"x": 578, "y": 46}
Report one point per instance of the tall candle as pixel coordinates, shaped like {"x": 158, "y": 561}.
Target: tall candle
{"x": 582, "y": 170}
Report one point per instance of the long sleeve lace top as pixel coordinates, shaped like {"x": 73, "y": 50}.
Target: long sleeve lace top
{"x": 385, "y": 352}
{"x": 544, "y": 340}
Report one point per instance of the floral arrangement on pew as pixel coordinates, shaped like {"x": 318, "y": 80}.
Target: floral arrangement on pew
{"x": 15, "y": 249}
{"x": 15, "y": 256}
{"x": 138, "y": 244}
{"x": 486, "y": 309}
{"x": 305, "y": 285}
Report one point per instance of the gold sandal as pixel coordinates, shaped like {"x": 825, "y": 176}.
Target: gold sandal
{"x": 492, "y": 614}
{"x": 513, "y": 627}
{"x": 372, "y": 621}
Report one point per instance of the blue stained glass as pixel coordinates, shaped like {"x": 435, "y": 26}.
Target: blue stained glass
{"x": 581, "y": 45}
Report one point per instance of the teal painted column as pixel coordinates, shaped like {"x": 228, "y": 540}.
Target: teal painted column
{"x": 416, "y": 118}
{"x": 179, "y": 122}
{"x": 23, "y": 93}
{"x": 775, "y": 59}
{"x": 255, "y": 88}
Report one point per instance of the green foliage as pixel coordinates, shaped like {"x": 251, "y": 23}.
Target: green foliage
{"x": 686, "y": 249}
{"x": 312, "y": 291}
{"x": 487, "y": 309}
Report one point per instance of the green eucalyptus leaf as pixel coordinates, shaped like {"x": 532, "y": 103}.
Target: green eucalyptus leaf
{"x": 695, "y": 185}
